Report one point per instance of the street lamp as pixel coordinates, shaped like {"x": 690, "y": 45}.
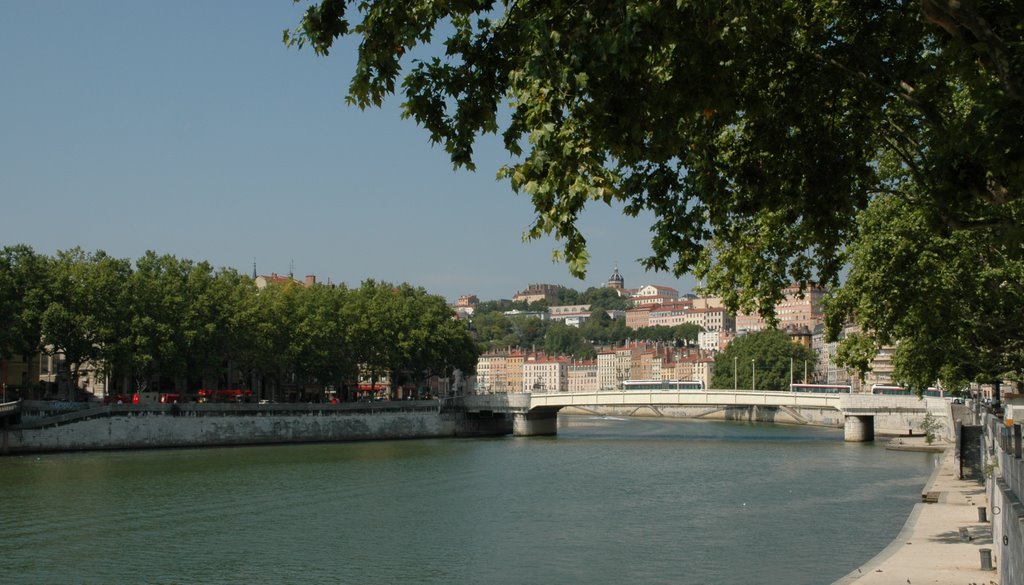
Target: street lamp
{"x": 753, "y": 375}
{"x": 735, "y": 374}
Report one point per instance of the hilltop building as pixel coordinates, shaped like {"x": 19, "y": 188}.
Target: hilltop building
{"x": 263, "y": 281}
{"x": 539, "y": 292}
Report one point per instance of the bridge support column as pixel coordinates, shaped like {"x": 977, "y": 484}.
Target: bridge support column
{"x": 534, "y": 423}
{"x": 859, "y": 428}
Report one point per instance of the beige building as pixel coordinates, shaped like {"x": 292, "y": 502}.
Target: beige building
{"x": 500, "y": 372}
{"x": 648, "y": 366}
{"x": 675, "y": 314}
{"x": 713, "y": 341}
{"x": 544, "y": 374}
{"x": 652, "y": 294}
{"x": 694, "y": 367}
{"x": 583, "y": 376}
{"x": 490, "y": 373}
{"x": 539, "y": 292}
{"x": 607, "y": 378}
{"x": 638, "y": 317}
{"x": 791, "y": 311}
{"x": 572, "y": 315}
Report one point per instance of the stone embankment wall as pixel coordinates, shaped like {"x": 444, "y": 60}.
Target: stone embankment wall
{"x": 199, "y": 425}
{"x": 1005, "y": 468}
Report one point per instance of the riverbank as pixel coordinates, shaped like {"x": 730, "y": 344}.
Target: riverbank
{"x": 942, "y": 539}
{"x": 55, "y": 427}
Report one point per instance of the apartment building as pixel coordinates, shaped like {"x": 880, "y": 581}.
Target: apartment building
{"x": 714, "y": 341}
{"x": 675, "y": 314}
{"x": 796, "y": 309}
{"x": 544, "y": 374}
{"x": 583, "y": 376}
{"x": 653, "y": 294}
{"x": 607, "y": 374}
{"x": 572, "y": 315}
{"x": 639, "y": 317}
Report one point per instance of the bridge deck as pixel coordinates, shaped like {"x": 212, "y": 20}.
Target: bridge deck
{"x": 686, "y": 398}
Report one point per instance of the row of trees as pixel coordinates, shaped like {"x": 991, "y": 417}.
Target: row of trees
{"x": 495, "y": 330}
{"x": 164, "y": 322}
{"x": 599, "y": 299}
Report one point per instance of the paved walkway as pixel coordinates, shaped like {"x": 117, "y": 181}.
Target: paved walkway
{"x": 931, "y": 549}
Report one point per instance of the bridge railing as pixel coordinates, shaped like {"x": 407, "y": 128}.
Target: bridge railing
{"x": 686, "y": 398}
{"x": 10, "y": 407}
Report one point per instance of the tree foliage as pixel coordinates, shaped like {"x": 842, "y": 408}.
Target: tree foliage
{"x": 174, "y": 323}
{"x": 23, "y": 298}
{"x": 685, "y": 334}
{"x": 755, "y": 132}
{"x": 768, "y": 355}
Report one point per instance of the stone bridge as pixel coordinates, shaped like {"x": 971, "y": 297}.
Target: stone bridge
{"x": 537, "y": 414}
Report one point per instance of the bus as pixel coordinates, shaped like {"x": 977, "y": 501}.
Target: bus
{"x": 821, "y": 388}
{"x": 662, "y": 385}
{"x": 890, "y": 390}
{"x": 930, "y": 391}
{"x": 231, "y": 395}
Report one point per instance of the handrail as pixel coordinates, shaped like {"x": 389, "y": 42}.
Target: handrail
{"x": 227, "y": 409}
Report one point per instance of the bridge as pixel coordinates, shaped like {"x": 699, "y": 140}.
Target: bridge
{"x": 10, "y": 410}
{"x": 537, "y": 413}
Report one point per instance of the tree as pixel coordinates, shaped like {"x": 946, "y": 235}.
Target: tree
{"x": 602, "y": 329}
{"x": 568, "y": 296}
{"x": 950, "y": 300}
{"x": 767, "y": 355}
{"x": 604, "y": 298}
{"x": 87, "y": 312}
{"x": 686, "y": 334}
{"x": 406, "y": 334}
{"x": 162, "y": 320}
{"x": 754, "y": 132}
{"x": 23, "y": 298}
{"x": 562, "y": 339}
{"x": 322, "y": 355}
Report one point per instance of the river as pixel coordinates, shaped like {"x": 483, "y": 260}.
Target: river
{"x": 607, "y": 501}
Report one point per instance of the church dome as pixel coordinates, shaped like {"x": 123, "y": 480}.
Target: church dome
{"x": 616, "y": 280}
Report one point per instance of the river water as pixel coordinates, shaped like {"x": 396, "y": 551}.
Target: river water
{"x": 607, "y": 501}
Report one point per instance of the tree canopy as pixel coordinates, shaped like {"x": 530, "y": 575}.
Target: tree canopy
{"x": 757, "y": 133}
{"x": 166, "y": 322}
{"x": 769, "y": 356}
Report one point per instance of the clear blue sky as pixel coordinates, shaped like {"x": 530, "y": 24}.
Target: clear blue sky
{"x": 188, "y": 128}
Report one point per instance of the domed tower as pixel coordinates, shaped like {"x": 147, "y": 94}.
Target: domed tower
{"x": 616, "y": 281}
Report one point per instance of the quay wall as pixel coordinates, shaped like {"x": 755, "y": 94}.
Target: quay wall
{"x": 161, "y": 426}
{"x": 1005, "y": 485}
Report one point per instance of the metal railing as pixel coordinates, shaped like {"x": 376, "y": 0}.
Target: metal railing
{"x": 10, "y": 407}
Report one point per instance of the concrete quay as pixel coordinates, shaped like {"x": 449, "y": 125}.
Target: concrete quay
{"x": 942, "y": 541}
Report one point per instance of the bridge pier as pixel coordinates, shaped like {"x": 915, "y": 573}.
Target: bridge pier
{"x": 859, "y": 428}
{"x": 535, "y": 423}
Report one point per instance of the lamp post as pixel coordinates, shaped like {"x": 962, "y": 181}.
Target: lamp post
{"x": 753, "y": 375}
{"x": 735, "y": 374}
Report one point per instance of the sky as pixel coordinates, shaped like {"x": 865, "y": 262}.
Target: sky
{"x": 189, "y": 128}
